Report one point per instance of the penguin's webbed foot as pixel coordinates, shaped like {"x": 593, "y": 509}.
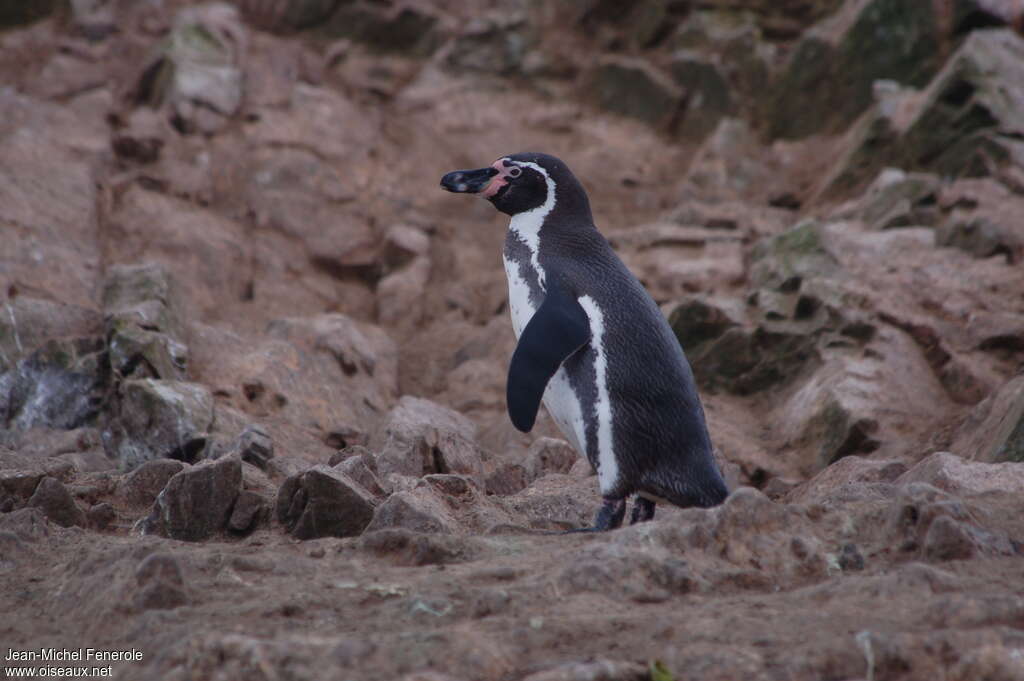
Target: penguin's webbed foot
{"x": 609, "y": 517}
{"x": 643, "y": 510}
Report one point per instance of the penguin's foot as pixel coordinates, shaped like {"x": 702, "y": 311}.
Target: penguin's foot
{"x": 609, "y": 517}
{"x": 643, "y": 510}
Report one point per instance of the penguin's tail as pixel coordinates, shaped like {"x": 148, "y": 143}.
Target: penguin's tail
{"x": 700, "y": 489}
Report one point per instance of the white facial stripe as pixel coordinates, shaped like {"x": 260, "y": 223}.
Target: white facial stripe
{"x": 608, "y": 468}
{"x": 527, "y": 225}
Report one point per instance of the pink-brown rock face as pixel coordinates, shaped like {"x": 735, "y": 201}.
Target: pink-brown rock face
{"x": 253, "y": 360}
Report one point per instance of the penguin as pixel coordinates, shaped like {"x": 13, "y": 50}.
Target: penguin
{"x": 593, "y": 345}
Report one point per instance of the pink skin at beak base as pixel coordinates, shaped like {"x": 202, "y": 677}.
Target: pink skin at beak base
{"x": 499, "y": 180}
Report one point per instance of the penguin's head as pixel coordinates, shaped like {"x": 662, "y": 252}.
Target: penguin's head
{"x": 519, "y": 183}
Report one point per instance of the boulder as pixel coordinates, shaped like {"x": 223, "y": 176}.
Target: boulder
{"x": 144, "y": 320}
{"x": 56, "y": 503}
{"x": 419, "y": 437}
{"x": 401, "y": 28}
{"x": 323, "y": 502}
{"x": 19, "y": 14}
{"x": 160, "y": 420}
{"x": 849, "y": 470}
{"x": 249, "y": 511}
{"x": 968, "y": 116}
{"x": 287, "y": 16}
{"x": 255, "y": 446}
{"x": 142, "y": 485}
{"x": 708, "y": 95}
{"x": 363, "y": 469}
{"x": 197, "y": 501}
{"x": 828, "y": 81}
{"x": 420, "y": 509}
{"x": 60, "y": 385}
{"x": 964, "y": 478}
{"x": 900, "y": 199}
{"x": 495, "y": 44}
{"x": 994, "y": 430}
{"x": 633, "y": 87}
{"x": 196, "y": 76}
{"x": 28, "y": 323}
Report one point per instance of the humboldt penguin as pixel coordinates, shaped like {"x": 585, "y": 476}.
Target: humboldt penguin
{"x": 593, "y": 345}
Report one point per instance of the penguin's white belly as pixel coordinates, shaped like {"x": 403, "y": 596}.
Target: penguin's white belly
{"x": 559, "y": 398}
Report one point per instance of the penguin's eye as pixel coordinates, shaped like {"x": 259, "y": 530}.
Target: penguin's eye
{"x": 515, "y": 171}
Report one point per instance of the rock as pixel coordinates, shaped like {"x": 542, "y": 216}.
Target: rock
{"x": 979, "y": 92}
{"x": 549, "y": 455}
{"x": 101, "y": 516}
{"x": 19, "y": 14}
{"x": 255, "y": 445}
{"x": 403, "y": 29}
{"x": 994, "y": 430}
{"x": 141, "y": 486}
{"x": 849, "y": 470}
{"x": 160, "y": 584}
{"x": 420, "y": 437}
{"x": 420, "y": 509}
{"x": 294, "y": 15}
{"x": 750, "y": 529}
{"x": 248, "y": 512}
{"x": 966, "y": 478}
{"x": 27, "y": 324}
{"x": 144, "y": 319}
{"x": 362, "y": 467}
{"x": 794, "y": 255}
{"x": 196, "y": 77}
{"x": 597, "y": 670}
{"x": 708, "y": 96}
{"x": 323, "y": 502}
{"x": 399, "y": 295}
{"x": 506, "y": 479}
{"x": 632, "y": 87}
{"x": 402, "y": 244}
{"x": 493, "y": 45}
{"x": 28, "y": 524}
{"x": 989, "y": 663}
{"x": 979, "y": 236}
{"x": 54, "y": 500}
{"x": 947, "y": 539}
{"x": 160, "y": 420}
{"x": 698, "y": 319}
{"x": 197, "y": 501}
{"x": 405, "y": 547}
{"x": 839, "y": 62}
{"x": 900, "y": 199}
{"x": 60, "y": 385}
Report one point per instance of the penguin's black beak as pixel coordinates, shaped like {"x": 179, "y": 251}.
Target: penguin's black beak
{"x": 468, "y": 181}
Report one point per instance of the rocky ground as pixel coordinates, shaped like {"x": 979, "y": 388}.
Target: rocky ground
{"x": 252, "y": 359}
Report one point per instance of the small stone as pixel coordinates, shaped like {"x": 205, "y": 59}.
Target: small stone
{"x": 324, "y": 502}
{"x": 249, "y": 510}
{"x": 161, "y": 585}
{"x": 255, "y": 445}
{"x": 101, "y": 516}
{"x": 54, "y": 500}
{"x": 850, "y": 558}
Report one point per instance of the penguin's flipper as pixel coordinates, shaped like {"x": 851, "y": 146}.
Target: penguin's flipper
{"x": 558, "y": 329}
